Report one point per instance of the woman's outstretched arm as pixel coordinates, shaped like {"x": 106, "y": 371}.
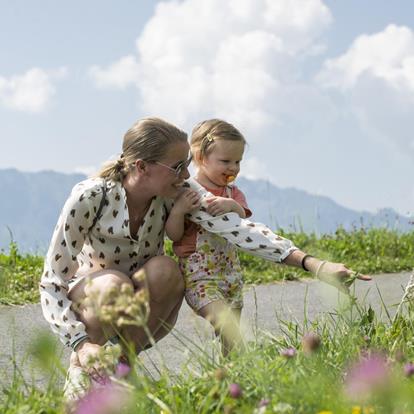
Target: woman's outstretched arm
{"x": 257, "y": 239}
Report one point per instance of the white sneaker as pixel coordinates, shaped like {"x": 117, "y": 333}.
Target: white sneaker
{"x": 77, "y": 383}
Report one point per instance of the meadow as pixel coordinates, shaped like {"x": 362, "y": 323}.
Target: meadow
{"x": 350, "y": 361}
{"x": 367, "y": 251}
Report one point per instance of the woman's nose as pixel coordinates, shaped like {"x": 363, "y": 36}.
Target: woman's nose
{"x": 185, "y": 173}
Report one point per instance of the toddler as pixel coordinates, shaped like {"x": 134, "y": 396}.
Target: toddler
{"x": 208, "y": 262}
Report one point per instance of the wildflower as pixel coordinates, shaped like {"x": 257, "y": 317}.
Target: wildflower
{"x": 366, "y": 376}
{"x": 220, "y": 374}
{"x": 125, "y": 307}
{"x": 235, "y": 390}
{"x": 409, "y": 369}
{"x": 122, "y": 370}
{"x": 228, "y": 409}
{"x": 356, "y": 409}
{"x": 399, "y": 355}
{"x": 288, "y": 352}
{"x": 311, "y": 342}
{"x": 264, "y": 402}
{"x": 108, "y": 399}
{"x": 325, "y": 412}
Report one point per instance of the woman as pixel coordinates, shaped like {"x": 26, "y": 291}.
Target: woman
{"x": 113, "y": 224}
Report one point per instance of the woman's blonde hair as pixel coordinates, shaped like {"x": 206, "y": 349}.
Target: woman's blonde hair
{"x": 148, "y": 139}
{"x": 206, "y": 133}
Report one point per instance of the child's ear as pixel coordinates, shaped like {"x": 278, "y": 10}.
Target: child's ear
{"x": 198, "y": 158}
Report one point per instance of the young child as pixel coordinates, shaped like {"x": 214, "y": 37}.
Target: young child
{"x": 208, "y": 262}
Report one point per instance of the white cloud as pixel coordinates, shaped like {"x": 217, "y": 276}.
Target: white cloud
{"x": 118, "y": 75}
{"x": 387, "y": 55}
{"x": 376, "y": 75}
{"x": 253, "y": 168}
{"x": 30, "y": 92}
{"x": 251, "y": 61}
{"x": 198, "y": 58}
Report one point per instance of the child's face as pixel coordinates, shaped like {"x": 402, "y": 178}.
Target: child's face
{"x": 222, "y": 162}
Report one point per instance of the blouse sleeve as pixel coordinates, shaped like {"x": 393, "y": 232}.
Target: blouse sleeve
{"x": 61, "y": 263}
{"x": 254, "y": 238}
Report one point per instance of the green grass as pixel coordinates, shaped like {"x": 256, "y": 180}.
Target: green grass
{"x": 367, "y": 251}
{"x": 307, "y": 383}
{"x": 19, "y": 277}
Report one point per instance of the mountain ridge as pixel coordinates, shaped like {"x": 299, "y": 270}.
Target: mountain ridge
{"x": 32, "y": 201}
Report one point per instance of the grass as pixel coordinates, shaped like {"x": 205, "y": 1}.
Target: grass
{"x": 265, "y": 378}
{"x": 312, "y": 380}
{"x": 367, "y": 251}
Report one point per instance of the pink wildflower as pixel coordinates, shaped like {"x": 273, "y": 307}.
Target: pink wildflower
{"x": 108, "y": 399}
{"x": 399, "y": 355}
{"x": 122, "y": 370}
{"x": 409, "y": 369}
{"x": 235, "y": 390}
{"x": 264, "y": 402}
{"x": 366, "y": 376}
{"x": 311, "y": 342}
{"x": 288, "y": 352}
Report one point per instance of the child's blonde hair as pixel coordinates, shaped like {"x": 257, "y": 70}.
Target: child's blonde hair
{"x": 206, "y": 133}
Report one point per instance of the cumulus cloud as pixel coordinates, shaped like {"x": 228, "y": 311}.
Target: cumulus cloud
{"x": 388, "y": 55}
{"x": 198, "y": 58}
{"x": 119, "y": 75}
{"x": 376, "y": 75}
{"x": 31, "y": 91}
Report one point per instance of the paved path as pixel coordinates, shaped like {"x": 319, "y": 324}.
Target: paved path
{"x": 264, "y": 306}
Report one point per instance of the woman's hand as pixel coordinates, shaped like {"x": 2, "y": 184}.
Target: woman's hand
{"x": 88, "y": 356}
{"x": 338, "y": 275}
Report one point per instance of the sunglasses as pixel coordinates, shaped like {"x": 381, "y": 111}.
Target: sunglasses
{"x": 179, "y": 168}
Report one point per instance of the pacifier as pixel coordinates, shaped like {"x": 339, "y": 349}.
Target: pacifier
{"x": 230, "y": 178}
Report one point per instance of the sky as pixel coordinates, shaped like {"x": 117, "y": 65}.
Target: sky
{"x": 322, "y": 90}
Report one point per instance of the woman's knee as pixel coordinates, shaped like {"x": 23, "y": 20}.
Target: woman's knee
{"x": 164, "y": 277}
{"x": 114, "y": 280}
{"x": 99, "y": 285}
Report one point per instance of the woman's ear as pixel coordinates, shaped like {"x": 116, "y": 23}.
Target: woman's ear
{"x": 141, "y": 166}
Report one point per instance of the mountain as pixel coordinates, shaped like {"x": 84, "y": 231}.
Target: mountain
{"x": 31, "y": 203}
{"x": 30, "y": 206}
{"x": 297, "y": 210}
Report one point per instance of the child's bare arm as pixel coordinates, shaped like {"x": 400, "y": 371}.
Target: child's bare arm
{"x": 174, "y": 226}
{"x": 223, "y": 205}
{"x": 186, "y": 202}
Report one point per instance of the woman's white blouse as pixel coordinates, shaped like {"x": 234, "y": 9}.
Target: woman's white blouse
{"x": 75, "y": 251}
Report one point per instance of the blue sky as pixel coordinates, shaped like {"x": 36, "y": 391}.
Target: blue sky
{"x": 322, "y": 90}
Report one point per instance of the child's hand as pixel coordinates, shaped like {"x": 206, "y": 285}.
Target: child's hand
{"x": 187, "y": 201}
{"x": 220, "y": 205}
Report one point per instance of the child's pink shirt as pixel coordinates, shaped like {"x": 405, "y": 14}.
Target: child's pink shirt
{"x": 188, "y": 243}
